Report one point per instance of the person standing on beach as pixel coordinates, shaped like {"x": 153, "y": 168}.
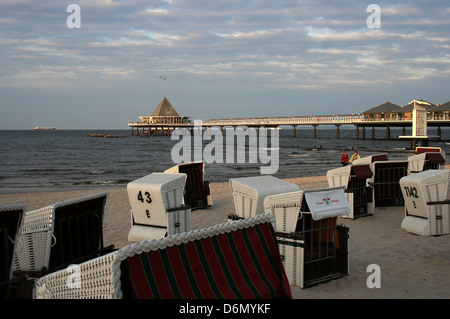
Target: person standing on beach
{"x": 355, "y": 156}
{"x": 344, "y": 159}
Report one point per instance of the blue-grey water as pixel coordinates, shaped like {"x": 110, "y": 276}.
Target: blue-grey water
{"x": 34, "y": 161}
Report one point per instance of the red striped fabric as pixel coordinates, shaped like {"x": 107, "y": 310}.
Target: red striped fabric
{"x": 243, "y": 264}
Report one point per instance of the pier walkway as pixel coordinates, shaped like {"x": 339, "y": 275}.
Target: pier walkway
{"x": 358, "y": 120}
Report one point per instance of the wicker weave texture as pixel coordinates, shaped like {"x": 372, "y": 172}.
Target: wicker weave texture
{"x": 89, "y": 280}
{"x": 286, "y": 208}
{"x": 35, "y": 240}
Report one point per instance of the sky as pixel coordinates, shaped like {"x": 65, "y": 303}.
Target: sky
{"x": 220, "y": 59}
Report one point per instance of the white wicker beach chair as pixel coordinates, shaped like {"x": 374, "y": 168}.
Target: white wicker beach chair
{"x": 355, "y": 180}
{"x": 427, "y": 202}
{"x": 312, "y": 246}
{"x": 205, "y": 263}
{"x": 59, "y": 234}
{"x": 11, "y": 219}
{"x": 425, "y": 161}
{"x": 249, "y": 193}
{"x": 157, "y": 206}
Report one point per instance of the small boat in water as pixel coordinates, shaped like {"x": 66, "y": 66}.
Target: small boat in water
{"x": 37, "y": 128}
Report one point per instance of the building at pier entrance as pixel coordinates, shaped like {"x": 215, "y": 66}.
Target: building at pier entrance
{"x": 165, "y": 113}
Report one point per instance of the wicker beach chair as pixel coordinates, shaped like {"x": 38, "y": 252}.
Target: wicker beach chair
{"x": 66, "y": 232}
{"x": 249, "y": 193}
{"x": 231, "y": 260}
{"x": 313, "y": 247}
{"x": 355, "y": 180}
{"x": 197, "y": 192}
{"x": 11, "y": 218}
{"x": 157, "y": 207}
{"x": 426, "y": 161}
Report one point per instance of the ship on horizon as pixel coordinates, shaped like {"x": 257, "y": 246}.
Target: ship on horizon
{"x": 38, "y": 128}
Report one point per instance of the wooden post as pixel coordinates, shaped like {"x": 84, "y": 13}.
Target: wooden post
{"x": 337, "y": 130}
{"x": 388, "y": 132}
{"x": 295, "y": 134}
{"x": 373, "y": 132}
{"x": 315, "y": 131}
{"x": 357, "y": 132}
{"x": 363, "y": 133}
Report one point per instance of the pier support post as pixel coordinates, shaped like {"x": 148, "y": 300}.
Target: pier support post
{"x": 337, "y": 130}
{"x": 315, "y": 131}
{"x": 403, "y": 131}
{"x": 388, "y": 132}
{"x": 295, "y": 134}
{"x": 373, "y": 132}
{"x": 363, "y": 133}
{"x": 357, "y": 132}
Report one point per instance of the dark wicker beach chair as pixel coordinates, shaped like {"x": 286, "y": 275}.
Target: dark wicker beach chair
{"x": 61, "y": 234}
{"x": 197, "y": 193}
{"x": 11, "y": 217}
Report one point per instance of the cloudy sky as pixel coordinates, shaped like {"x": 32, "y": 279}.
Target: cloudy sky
{"x": 221, "y": 59}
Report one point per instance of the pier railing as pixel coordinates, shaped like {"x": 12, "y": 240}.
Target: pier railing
{"x": 355, "y": 119}
{"x": 306, "y": 120}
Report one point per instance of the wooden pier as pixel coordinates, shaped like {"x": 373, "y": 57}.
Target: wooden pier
{"x": 361, "y": 124}
{"x": 165, "y": 119}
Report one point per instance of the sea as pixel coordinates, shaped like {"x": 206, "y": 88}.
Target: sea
{"x": 64, "y": 160}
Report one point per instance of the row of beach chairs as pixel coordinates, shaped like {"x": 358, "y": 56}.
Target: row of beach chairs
{"x": 230, "y": 260}
{"x": 278, "y": 236}
{"x": 58, "y": 252}
{"x": 420, "y": 183}
{"x": 374, "y": 181}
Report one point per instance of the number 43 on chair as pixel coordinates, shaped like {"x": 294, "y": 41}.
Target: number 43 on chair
{"x": 145, "y": 198}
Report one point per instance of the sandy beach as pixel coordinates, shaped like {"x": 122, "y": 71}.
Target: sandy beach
{"x": 411, "y": 266}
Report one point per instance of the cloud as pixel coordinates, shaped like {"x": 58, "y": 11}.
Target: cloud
{"x": 234, "y": 46}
